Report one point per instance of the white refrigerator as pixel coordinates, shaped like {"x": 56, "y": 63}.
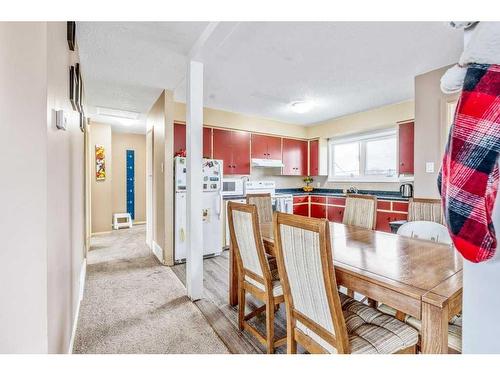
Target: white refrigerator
{"x": 211, "y": 209}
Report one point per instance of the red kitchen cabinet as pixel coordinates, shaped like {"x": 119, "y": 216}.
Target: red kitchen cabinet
{"x": 301, "y": 209}
{"x": 233, "y": 147}
{"x": 314, "y": 158}
{"x": 295, "y": 158}
{"x": 318, "y": 199}
{"x": 384, "y": 218}
{"x": 207, "y": 143}
{"x": 300, "y": 199}
{"x": 335, "y": 213}
{"x": 179, "y": 137}
{"x": 180, "y": 140}
{"x": 266, "y": 147}
{"x": 318, "y": 210}
{"x": 406, "y": 147}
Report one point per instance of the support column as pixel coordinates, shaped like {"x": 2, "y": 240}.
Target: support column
{"x": 194, "y": 142}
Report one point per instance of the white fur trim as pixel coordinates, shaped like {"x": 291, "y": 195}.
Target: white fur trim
{"x": 453, "y": 80}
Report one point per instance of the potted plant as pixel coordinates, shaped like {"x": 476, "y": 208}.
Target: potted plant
{"x": 308, "y": 180}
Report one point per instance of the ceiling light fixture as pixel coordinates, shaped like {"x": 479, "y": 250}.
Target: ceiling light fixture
{"x": 302, "y": 106}
{"x": 111, "y": 112}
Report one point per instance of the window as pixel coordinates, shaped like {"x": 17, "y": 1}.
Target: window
{"x": 364, "y": 157}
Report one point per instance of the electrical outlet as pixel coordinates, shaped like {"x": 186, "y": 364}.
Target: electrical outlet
{"x": 429, "y": 167}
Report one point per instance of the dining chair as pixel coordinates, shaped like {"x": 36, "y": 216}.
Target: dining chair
{"x": 425, "y": 230}
{"x": 423, "y": 209}
{"x": 431, "y": 231}
{"x": 255, "y": 275}
{"x": 264, "y": 205}
{"x": 319, "y": 318}
{"x": 360, "y": 210}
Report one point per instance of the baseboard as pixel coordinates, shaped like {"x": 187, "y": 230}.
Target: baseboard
{"x": 158, "y": 251}
{"x": 138, "y": 222}
{"x": 100, "y": 233}
{"x": 81, "y": 288}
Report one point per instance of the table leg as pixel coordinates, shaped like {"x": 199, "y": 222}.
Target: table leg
{"x": 434, "y": 329}
{"x": 233, "y": 278}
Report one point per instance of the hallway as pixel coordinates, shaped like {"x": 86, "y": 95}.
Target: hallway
{"x": 132, "y": 304}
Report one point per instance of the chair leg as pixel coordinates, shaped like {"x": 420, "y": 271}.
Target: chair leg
{"x": 241, "y": 307}
{"x": 291, "y": 344}
{"x": 270, "y": 326}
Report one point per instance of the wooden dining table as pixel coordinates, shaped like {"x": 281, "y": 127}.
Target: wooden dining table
{"x": 416, "y": 277}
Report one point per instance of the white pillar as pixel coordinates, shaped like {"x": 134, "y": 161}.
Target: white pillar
{"x": 194, "y": 142}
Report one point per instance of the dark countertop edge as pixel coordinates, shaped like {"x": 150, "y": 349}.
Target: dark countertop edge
{"x": 382, "y": 195}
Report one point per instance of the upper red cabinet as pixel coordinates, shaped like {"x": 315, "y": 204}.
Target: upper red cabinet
{"x": 180, "y": 140}
{"x": 406, "y": 147}
{"x": 314, "y": 158}
{"x": 266, "y": 147}
{"x": 318, "y": 157}
{"x": 295, "y": 158}
{"x": 233, "y": 147}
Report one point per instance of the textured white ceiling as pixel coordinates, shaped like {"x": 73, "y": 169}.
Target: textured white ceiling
{"x": 258, "y": 68}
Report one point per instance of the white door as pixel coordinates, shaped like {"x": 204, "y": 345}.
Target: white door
{"x": 149, "y": 189}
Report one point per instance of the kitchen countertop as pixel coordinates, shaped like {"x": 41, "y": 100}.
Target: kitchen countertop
{"x": 382, "y": 195}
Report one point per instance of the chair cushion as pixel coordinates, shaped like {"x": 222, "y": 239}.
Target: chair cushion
{"x": 277, "y": 288}
{"x": 370, "y": 331}
{"x": 454, "y": 326}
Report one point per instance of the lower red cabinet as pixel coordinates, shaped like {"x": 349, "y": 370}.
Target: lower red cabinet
{"x": 301, "y": 209}
{"x": 335, "y": 214}
{"x": 384, "y": 218}
{"x": 318, "y": 210}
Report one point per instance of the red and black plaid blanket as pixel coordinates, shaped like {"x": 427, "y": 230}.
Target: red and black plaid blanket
{"x": 469, "y": 174}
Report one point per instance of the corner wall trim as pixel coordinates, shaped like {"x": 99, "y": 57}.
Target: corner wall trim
{"x": 83, "y": 273}
{"x": 158, "y": 252}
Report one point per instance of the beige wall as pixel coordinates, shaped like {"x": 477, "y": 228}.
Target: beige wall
{"x": 428, "y": 138}
{"x": 121, "y": 142}
{"x": 101, "y": 191}
{"x": 42, "y": 240}
{"x": 224, "y": 119}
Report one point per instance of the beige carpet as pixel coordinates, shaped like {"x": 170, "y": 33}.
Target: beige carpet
{"x": 133, "y": 304}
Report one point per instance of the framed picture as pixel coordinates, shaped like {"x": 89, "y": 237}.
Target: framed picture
{"x": 82, "y": 122}
{"x": 100, "y": 163}
{"x": 72, "y": 87}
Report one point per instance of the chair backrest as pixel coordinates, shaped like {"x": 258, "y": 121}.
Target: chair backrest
{"x": 247, "y": 243}
{"x": 264, "y": 206}
{"x": 305, "y": 266}
{"x": 420, "y": 209}
{"x": 426, "y": 230}
{"x": 360, "y": 211}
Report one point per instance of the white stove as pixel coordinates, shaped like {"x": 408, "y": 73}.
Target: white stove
{"x": 281, "y": 202}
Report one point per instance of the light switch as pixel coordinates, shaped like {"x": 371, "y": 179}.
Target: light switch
{"x": 429, "y": 167}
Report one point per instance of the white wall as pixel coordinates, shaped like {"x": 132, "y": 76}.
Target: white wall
{"x": 23, "y": 186}
{"x": 65, "y": 194}
{"x": 41, "y": 191}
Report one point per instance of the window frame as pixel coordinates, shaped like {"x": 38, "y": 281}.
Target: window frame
{"x": 362, "y": 139}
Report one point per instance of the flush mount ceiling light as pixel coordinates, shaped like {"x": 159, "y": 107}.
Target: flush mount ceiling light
{"x": 111, "y": 112}
{"x": 302, "y": 106}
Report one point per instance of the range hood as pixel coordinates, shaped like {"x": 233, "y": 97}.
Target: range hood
{"x": 267, "y": 163}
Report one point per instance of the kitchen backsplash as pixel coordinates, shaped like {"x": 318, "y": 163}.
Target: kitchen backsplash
{"x": 284, "y": 182}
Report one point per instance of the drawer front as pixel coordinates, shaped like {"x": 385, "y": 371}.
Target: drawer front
{"x": 318, "y": 210}
{"x": 335, "y": 214}
{"x": 301, "y": 199}
{"x": 400, "y": 206}
{"x": 318, "y": 199}
{"x": 384, "y": 205}
{"x": 338, "y": 201}
{"x": 301, "y": 209}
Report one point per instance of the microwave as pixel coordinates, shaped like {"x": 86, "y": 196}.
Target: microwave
{"x": 233, "y": 186}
